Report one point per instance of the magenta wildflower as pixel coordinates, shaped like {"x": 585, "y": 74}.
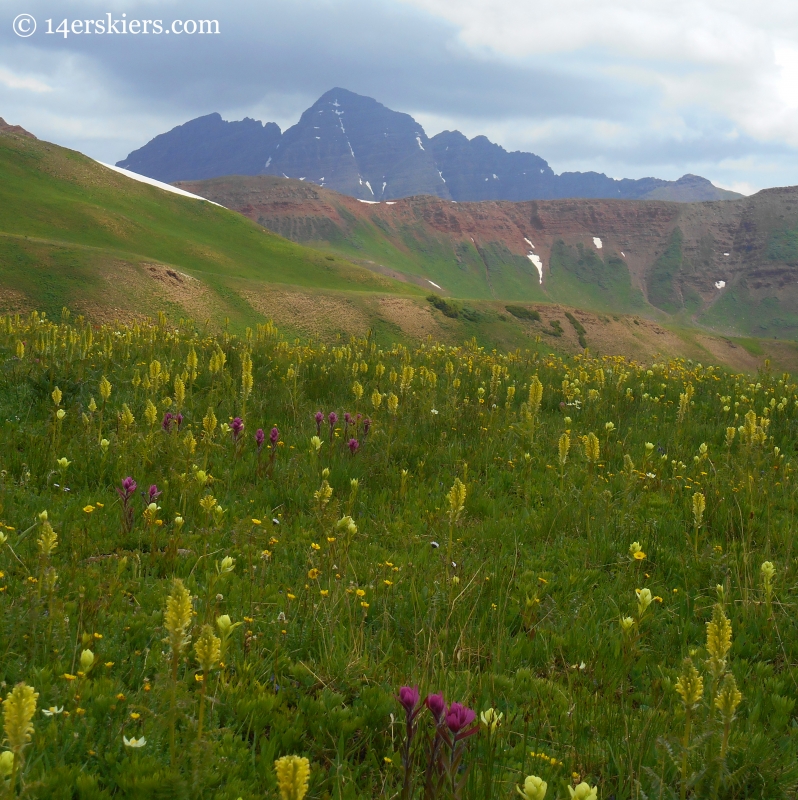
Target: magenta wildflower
{"x": 354, "y": 444}
{"x": 168, "y": 418}
{"x": 179, "y": 420}
{"x": 127, "y": 491}
{"x": 128, "y": 487}
{"x": 153, "y": 493}
{"x": 236, "y": 426}
{"x": 260, "y": 438}
{"x": 332, "y": 419}
{"x": 319, "y": 419}
{"x": 436, "y": 704}
{"x": 459, "y": 717}
{"x": 274, "y": 436}
{"x": 408, "y": 697}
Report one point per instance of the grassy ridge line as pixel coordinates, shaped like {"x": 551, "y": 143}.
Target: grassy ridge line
{"x": 49, "y": 193}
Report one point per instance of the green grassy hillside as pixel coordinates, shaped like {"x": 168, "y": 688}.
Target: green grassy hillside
{"x": 72, "y": 232}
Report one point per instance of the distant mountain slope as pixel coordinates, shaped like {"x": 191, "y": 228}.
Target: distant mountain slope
{"x": 731, "y": 265}
{"x": 205, "y": 148}
{"x": 357, "y": 146}
{"x": 75, "y": 233}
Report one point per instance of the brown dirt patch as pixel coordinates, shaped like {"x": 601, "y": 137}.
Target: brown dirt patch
{"x": 731, "y": 354}
{"x": 185, "y": 290}
{"x": 317, "y": 315}
{"x": 13, "y": 302}
{"x": 413, "y": 319}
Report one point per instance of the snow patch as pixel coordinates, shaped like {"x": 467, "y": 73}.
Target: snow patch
{"x": 418, "y": 139}
{"x": 370, "y": 202}
{"x": 495, "y": 177}
{"x": 725, "y": 254}
{"x": 384, "y": 184}
{"x": 370, "y": 189}
{"x": 529, "y": 243}
{"x": 535, "y": 259}
{"x": 390, "y": 202}
{"x": 433, "y": 284}
{"x": 318, "y": 137}
{"x": 597, "y": 242}
{"x": 441, "y": 174}
{"x": 152, "y": 182}
{"x": 623, "y": 254}
{"x": 720, "y": 284}
{"x": 269, "y": 161}
{"x": 302, "y": 179}
{"x": 542, "y": 171}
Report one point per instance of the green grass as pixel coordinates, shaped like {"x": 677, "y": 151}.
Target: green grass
{"x": 517, "y": 600}
{"x": 579, "y": 276}
{"x": 66, "y": 217}
{"x": 662, "y": 292}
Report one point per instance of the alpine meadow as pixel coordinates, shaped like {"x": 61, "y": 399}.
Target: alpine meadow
{"x": 247, "y": 566}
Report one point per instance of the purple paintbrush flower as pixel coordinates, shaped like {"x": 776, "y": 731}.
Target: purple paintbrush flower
{"x": 128, "y": 487}
{"x": 436, "y": 704}
{"x": 408, "y": 697}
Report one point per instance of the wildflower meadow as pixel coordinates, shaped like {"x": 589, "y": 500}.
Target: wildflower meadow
{"x": 238, "y": 566}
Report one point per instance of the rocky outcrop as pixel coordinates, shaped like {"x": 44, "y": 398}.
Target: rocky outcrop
{"x": 205, "y": 148}
{"x": 15, "y": 129}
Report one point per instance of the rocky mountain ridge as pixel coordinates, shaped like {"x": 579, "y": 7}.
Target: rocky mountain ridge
{"x": 359, "y": 147}
{"x": 731, "y": 265}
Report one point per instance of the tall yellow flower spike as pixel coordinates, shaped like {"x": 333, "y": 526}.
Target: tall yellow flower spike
{"x": 592, "y": 449}
{"x": 18, "y": 711}
{"x": 457, "y": 498}
{"x": 178, "y": 616}
{"x": 208, "y": 649}
{"x": 728, "y": 698}
{"x": 690, "y": 685}
{"x": 564, "y": 445}
{"x": 535, "y": 395}
{"x": 719, "y": 635}
{"x": 699, "y": 506}
{"x": 293, "y": 773}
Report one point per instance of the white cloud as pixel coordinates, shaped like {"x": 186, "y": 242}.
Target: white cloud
{"x": 731, "y": 57}
{"x": 12, "y": 81}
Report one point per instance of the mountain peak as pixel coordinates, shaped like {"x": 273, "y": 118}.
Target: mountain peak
{"x": 357, "y": 146}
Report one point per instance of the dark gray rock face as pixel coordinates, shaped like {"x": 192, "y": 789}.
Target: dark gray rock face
{"x": 206, "y": 147}
{"x": 358, "y": 147}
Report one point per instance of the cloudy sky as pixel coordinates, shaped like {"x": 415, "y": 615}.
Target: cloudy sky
{"x": 632, "y": 88}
